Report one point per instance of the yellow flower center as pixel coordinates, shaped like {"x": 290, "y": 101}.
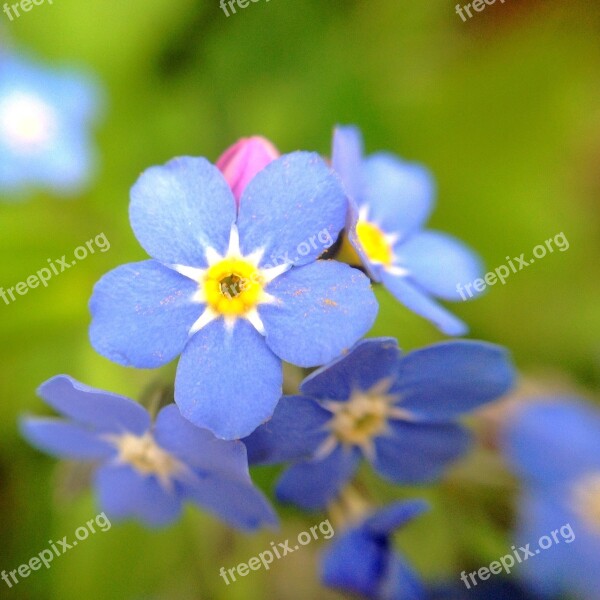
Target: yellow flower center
{"x": 364, "y": 416}
{"x": 232, "y": 286}
{"x": 374, "y": 242}
{"x": 586, "y": 500}
{"x": 146, "y": 456}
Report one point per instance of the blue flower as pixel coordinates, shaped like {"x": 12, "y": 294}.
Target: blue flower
{"x": 147, "y": 470}
{"x": 390, "y": 202}
{"x": 397, "y": 411}
{"x": 45, "y": 117}
{"x": 554, "y": 446}
{"x": 234, "y": 293}
{"x": 362, "y": 559}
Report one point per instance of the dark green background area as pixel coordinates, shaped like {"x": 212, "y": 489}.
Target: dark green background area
{"x": 504, "y": 110}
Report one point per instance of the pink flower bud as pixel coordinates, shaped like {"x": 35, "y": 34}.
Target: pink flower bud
{"x": 242, "y": 161}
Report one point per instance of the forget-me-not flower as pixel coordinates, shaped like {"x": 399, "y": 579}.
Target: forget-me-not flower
{"x": 45, "y": 120}
{"x": 553, "y": 444}
{"x": 362, "y": 559}
{"x": 234, "y": 292}
{"x": 398, "y": 411}
{"x": 390, "y": 200}
{"x": 147, "y": 470}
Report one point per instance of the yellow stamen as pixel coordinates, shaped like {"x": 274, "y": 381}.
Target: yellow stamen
{"x": 232, "y": 287}
{"x": 374, "y": 242}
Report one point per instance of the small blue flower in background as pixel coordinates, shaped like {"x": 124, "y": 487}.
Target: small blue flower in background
{"x": 397, "y": 411}
{"x": 362, "y": 559}
{"x": 553, "y": 444}
{"x": 147, "y": 470}
{"x": 390, "y": 201}
{"x": 234, "y": 293}
{"x": 45, "y": 119}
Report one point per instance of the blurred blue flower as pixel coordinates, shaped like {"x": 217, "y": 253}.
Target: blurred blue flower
{"x": 147, "y": 470}
{"x": 234, "y": 293}
{"x": 554, "y": 446}
{"x": 45, "y": 120}
{"x": 362, "y": 559}
{"x": 398, "y": 411}
{"x": 390, "y": 200}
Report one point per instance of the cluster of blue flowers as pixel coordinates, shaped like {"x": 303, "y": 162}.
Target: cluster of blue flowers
{"x": 262, "y": 259}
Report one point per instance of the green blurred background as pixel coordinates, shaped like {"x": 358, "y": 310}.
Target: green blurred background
{"x": 505, "y": 111}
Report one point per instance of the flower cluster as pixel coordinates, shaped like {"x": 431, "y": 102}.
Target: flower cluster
{"x": 263, "y": 259}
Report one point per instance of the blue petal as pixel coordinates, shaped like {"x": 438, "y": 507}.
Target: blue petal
{"x": 101, "y": 410}
{"x": 321, "y": 310}
{"x": 293, "y": 209}
{"x": 445, "y": 380}
{"x": 401, "y": 581}
{"x": 386, "y": 520}
{"x": 355, "y": 562}
{"x": 180, "y": 209}
{"x": 65, "y": 440}
{"x": 364, "y": 366}
{"x": 142, "y": 314}
{"x": 418, "y": 452}
{"x": 553, "y": 440}
{"x": 236, "y": 502}
{"x": 294, "y": 432}
{"x": 438, "y": 263}
{"x": 398, "y": 194}
{"x": 228, "y": 381}
{"x": 419, "y": 302}
{"x": 124, "y": 493}
{"x": 347, "y": 158}
{"x": 311, "y": 485}
{"x": 199, "y": 448}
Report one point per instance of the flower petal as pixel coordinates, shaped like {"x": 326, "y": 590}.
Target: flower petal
{"x": 228, "y": 381}
{"x": 293, "y": 209}
{"x": 293, "y": 433}
{"x": 355, "y": 562}
{"x": 439, "y": 263}
{"x": 142, "y": 314}
{"x": 399, "y": 195}
{"x": 199, "y": 448}
{"x": 539, "y": 454}
{"x": 369, "y": 362}
{"x": 180, "y": 209}
{"x": 386, "y": 520}
{"x": 419, "y": 302}
{"x": 65, "y": 440}
{"x": 418, "y": 452}
{"x": 311, "y": 485}
{"x": 238, "y": 503}
{"x": 124, "y": 493}
{"x": 347, "y": 157}
{"x": 445, "y": 380}
{"x": 104, "y": 411}
{"x": 320, "y": 311}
